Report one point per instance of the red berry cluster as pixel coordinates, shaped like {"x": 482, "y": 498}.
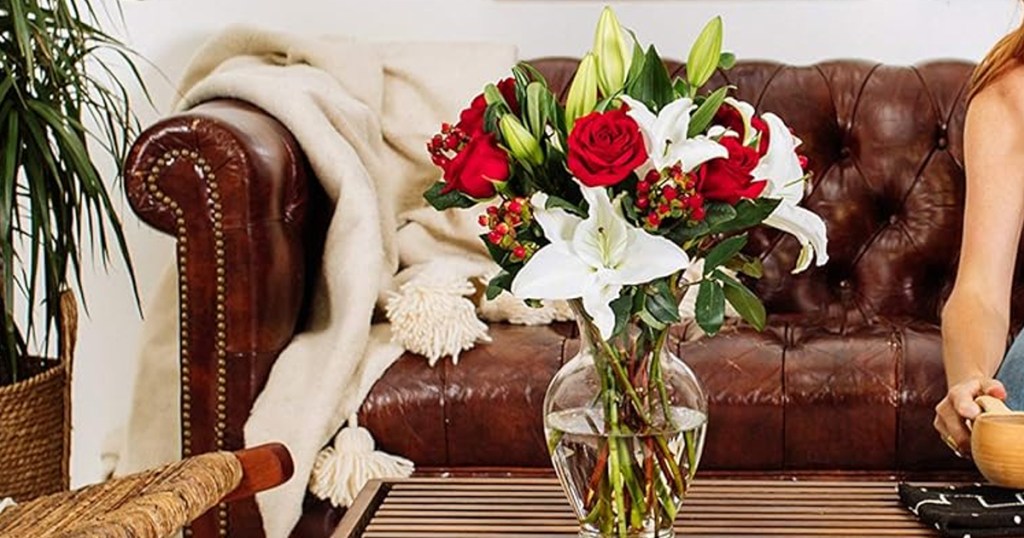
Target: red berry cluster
{"x": 670, "y": 196}
{"x": 505, "y": 221}
{"x": 448, "y": 142}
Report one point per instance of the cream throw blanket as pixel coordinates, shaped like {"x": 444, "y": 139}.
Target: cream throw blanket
{"x": 362, "y": 113}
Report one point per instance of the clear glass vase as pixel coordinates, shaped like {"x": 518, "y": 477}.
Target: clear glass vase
{"x": 625, "y": 422}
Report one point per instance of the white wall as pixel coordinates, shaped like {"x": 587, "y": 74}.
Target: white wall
{"x": 798, "y": 31}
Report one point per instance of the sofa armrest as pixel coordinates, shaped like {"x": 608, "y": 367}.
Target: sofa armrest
{"x": 231, "y": 185}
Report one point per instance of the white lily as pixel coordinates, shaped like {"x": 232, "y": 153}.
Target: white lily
{"x": 666, "y": 135}
{"x": 781, "y": 168}
{"x": 594, "y": 258}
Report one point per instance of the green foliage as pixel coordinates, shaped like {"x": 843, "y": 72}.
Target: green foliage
{"x": 52, "y": 198}
{"x": 705, "y": 114}
{"x": 749, "y": 307}
{"x": 710, "y": 306}
{"x": 441, "y": 201}
{"x": 723, "y": 252}
{"x": 652, "y": 86}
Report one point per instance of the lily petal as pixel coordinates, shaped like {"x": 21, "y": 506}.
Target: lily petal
{"x": 603, "y": 237}
{"x": 693, "y": 153}
{"x": 781, "y": 165}
{"x": 807, "y": 227}
{"x": 671, "y": 129}
{"x": 650, "y": 257}
{"x": 558, "y": 225}
{"x": 598, "y": 304}
{"x": 640, "y": 113}
{"x": 553, "y": 272}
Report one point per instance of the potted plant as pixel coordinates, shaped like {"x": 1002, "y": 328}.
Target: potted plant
{"x": 63, "y": 105}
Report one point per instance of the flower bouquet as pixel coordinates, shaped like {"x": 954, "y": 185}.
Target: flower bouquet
{"x": 607, "y": 202}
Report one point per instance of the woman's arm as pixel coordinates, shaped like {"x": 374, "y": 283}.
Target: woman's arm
{"x": 975, "y": 320}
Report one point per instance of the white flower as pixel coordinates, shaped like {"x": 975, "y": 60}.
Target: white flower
{"x": 781, "y": 168}
{"x": 666, "y": 135}
{"x": 747, "y": 112}
{"x": 594, "y": 258}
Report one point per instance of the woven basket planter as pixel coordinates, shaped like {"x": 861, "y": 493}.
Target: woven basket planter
{"x": 35, "y": 423}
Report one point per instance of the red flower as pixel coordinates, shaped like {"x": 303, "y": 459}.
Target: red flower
{"x": 476, "y": 168}
{"x": 729, "y": 180}
{"x": 731, "y": 118}
{"x": 471, "y": 120}
{"x": 604, "y": 148}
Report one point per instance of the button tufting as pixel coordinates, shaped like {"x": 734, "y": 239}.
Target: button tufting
{"x": 845, "y": 284}
{"x": 893, "y": 219}
{"x": 943, "y": 142}
{"x": 845, "y": 153}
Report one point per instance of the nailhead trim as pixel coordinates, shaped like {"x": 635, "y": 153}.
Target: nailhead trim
{"x": 220, "y": 342}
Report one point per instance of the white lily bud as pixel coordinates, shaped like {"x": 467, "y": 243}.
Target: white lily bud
{"x": 582, "y": 99}
{"x": 520, "y": 141}
{"x": 613, "y": 55}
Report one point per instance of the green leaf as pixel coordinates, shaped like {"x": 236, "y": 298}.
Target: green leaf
{"x": 746, "y": 265}
{"x": 652, "y": 86}
{"x": 501, "y": 282}
{"x": 744, "y": 301}
{"x": 727, "y": 61}
{"x": 717, "y": 214}
{"x": 556, "y": 202}
{"x": 724, "y": 252}
{"x": 705, "y": 114}
{"x": 710, "y": 307}
{"x": 537, "y": 108}
{"x": 663, "y": 306}
{"x": 623, "y": 309}
{"x": 705, "y": 54}
{"x": 681, "y": 87}
{"x": 447, "y": 200}
{"x": 747, "y": 214}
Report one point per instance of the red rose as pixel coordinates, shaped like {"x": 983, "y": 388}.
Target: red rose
{"x": 604, "y": 148}
{"x": 477, "y": 167}
{"x": 471, "y": 120}
{"x": 729, "y": 180}
{"x": 730, "y": 117}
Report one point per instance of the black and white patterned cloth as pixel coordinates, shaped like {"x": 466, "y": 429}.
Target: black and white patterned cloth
{"x": 967, "y": 511}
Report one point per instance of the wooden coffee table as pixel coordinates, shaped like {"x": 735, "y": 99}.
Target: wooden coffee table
{"x": 530, "y": 507}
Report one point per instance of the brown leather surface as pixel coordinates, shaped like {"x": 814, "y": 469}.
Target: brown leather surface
{"x": 844, "y": 379}
{"x": 258, "y": 174}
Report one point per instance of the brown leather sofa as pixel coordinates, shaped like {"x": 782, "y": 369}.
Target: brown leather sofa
{"x": 843, "y": 380}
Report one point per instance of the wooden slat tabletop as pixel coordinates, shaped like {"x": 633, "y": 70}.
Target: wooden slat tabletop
{"x": 531, "y": 507}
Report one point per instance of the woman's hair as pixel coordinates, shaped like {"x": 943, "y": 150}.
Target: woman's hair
{"x": 1003, "y": 57}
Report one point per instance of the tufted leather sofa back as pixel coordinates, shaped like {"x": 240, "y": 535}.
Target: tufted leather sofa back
{"x": 886, "y": 148}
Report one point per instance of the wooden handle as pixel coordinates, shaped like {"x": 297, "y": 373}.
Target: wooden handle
{"x": 263, "y": 467}
{"x": 992, "y": 406}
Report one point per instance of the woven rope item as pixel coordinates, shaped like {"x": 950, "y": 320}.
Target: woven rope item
{"x": 154, "y": 504}
{"x": 35, "y": 422}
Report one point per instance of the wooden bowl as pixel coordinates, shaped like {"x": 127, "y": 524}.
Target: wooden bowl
{"x": 997, "y": 443}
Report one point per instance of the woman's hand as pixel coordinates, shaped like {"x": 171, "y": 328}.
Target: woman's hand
{"x": 958, "y": 407}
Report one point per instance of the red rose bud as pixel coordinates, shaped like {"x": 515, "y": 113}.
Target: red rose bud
{"x": 670, "y": 193}
{"x": 698, "y": 214}
{"x": 652, "y": 177}
{"x": 495, "y": 238}
{"x": 731, "y": 118}
{"x": 519, "y": 252}
{"x": 501, "y": 228}
{"x": 643, "y": 188}
{"x": 492, "y": 210}
{"x": 484, "y": 221}
{"x": 643, "y": 203}
{"x": 653, "y": 220}
{"x": 476, "y": 168}
{"x": 471, "y": 120}
{"x": 664, "y": 209}
{"x": 604, "y": 148}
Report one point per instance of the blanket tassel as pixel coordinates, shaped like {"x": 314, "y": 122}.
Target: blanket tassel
{"x": 340, "y": 471}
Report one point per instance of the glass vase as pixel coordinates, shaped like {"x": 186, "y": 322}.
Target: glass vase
{"x": 625, "y": 422}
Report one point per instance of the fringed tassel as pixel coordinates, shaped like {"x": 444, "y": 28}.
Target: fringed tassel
{"x": 340, "y": 471}
{"x": 435, "y": 317}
